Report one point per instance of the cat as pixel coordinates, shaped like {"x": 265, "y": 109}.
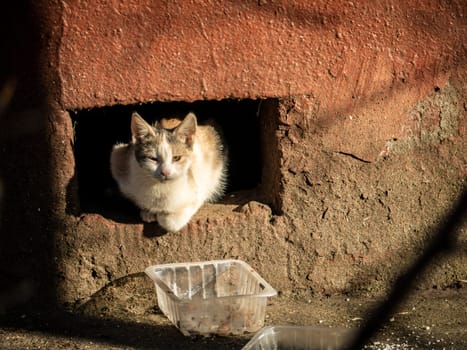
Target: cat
{"x": 169, "y": 173}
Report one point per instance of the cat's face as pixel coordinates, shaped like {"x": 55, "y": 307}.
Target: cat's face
{"x": 164, "y": 154}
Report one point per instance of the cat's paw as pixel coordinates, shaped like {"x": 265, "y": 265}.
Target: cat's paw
{"x": 171, "y": 222}
{"x": 147, "y": 216}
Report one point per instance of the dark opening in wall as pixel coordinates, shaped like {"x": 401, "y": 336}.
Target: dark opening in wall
{"x": 97, "y": 130}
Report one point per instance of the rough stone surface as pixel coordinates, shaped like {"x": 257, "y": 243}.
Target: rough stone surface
{"x": 342, "y": 221}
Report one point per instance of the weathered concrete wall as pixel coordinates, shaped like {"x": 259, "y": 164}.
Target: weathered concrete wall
{"x": 372, "y": 59}
{"x": 364, "y": 134}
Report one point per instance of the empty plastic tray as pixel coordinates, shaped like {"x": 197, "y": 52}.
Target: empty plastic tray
{"x": 221, "y": 296}
{"x": 300, "y": 338}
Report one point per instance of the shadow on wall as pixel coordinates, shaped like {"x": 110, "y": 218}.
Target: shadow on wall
{"x": 26, "y": 232}
{"x": 444, "y": 241}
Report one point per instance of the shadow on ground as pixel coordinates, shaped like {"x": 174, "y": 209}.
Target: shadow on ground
{"x": 111, "y": 332}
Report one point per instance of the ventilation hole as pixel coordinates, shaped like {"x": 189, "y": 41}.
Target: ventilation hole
{"x": 97, "y": 130}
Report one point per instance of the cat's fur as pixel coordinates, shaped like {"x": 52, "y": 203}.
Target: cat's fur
{"x": 169, "y": 174}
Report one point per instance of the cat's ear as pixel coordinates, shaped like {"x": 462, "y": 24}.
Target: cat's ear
{"x": 139, "y": 127}
{"x": 187, "y": 129}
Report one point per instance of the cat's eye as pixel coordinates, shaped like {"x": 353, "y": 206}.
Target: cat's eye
{"x": 176, "y": 158}
{"x": 154, "y": 159}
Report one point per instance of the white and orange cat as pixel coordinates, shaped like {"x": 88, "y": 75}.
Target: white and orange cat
{"x": 170, "y": 172}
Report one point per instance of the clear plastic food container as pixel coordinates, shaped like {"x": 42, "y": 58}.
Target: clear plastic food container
{"x": 300, "y": 338}
{"x": 221, "y": 296}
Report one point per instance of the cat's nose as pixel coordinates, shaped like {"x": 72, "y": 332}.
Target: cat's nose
{"x": 165, "y": 172}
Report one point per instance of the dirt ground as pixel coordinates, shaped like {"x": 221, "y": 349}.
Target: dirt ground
{"x": 125, "y": 315}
